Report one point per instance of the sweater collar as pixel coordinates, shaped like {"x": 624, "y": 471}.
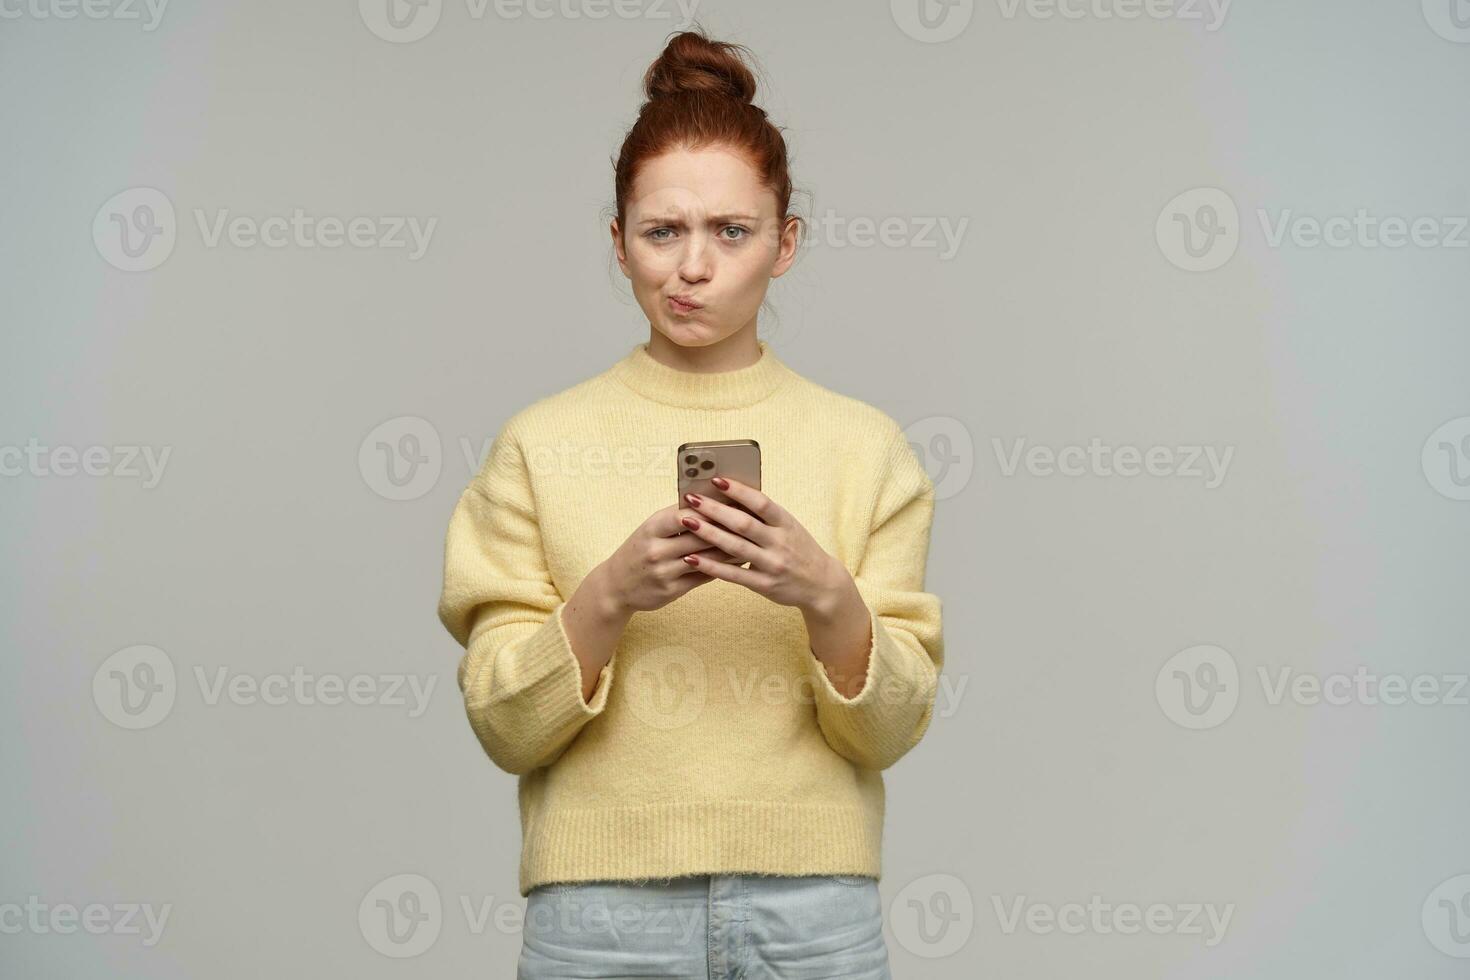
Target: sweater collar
{"x": 694, "y": 389}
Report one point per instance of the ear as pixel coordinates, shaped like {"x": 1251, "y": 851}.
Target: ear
{"x": 789, "y": 239}
{"x": 618, "y": 247}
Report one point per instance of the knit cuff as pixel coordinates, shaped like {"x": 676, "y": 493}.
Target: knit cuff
{"x": 527, "y": 699}
{"x": 888, "y": 716}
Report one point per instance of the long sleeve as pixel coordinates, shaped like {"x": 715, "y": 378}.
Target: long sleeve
{"x": 888, "y": 717}
{"x": 522, "y": 683}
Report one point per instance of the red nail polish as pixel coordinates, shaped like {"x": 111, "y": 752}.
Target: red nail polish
{"x": 690, "y": 523}
{"x": 691, "y": 559}
{"x": 695, "y": 499}
{"x": 720, "y": 482}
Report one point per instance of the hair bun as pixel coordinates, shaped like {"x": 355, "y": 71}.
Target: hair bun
{"x": 692, "y": 62}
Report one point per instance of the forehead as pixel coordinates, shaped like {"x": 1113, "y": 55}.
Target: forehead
{"x": 710, "y": 179}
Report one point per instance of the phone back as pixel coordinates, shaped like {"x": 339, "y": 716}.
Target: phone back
{"x": 738, "y": 459}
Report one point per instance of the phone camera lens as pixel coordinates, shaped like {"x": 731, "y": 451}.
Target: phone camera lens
{"x": 691, "y": 459}
{"x": 691, "y": 472}
{"x": 708, "y": 464}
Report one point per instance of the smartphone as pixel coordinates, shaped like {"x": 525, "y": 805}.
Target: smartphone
{"x": 738, "y": 459}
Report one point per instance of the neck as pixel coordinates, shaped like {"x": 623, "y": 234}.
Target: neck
{"x": 740, "y": 349}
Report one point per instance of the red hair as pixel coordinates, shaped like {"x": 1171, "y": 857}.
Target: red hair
{"x": 699, "y": 94}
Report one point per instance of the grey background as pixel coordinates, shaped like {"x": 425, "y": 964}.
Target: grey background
{"x": 1053, "y": 771}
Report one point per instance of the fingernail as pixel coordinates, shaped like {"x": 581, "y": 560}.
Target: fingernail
{"x": 690, "y": 523}
{"x": 720, "y": 482}
{"x": 694, "y": 498}
{"x": 691, "y": 559}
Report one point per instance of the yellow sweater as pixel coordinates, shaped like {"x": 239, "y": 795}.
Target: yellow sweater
{"x": 715, "y": 742}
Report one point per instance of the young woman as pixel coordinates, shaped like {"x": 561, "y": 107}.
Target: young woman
{"x": 698, "y": 700}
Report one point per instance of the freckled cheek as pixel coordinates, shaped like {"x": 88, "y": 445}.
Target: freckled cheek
{"x": 653, "y": 267}
{"x": 747, "y": 279}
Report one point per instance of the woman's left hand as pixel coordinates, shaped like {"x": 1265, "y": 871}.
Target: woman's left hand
{"x": 787, "y": 565}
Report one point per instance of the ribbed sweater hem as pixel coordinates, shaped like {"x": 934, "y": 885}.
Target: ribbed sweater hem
{"x": 664, "y": 840}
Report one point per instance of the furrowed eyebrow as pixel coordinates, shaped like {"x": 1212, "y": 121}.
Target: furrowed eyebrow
{"x": 673, "y": 219}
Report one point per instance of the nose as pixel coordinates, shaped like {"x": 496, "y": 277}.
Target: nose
{"x": 694, "y": 263}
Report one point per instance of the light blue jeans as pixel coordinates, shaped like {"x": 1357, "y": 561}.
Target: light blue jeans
{"x": 706, "y": 927}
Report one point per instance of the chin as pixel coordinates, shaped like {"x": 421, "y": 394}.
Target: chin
{"x": 687, "y": 334}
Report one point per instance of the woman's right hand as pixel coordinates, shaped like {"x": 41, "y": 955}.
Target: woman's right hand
{"x": 648, "y": 570}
